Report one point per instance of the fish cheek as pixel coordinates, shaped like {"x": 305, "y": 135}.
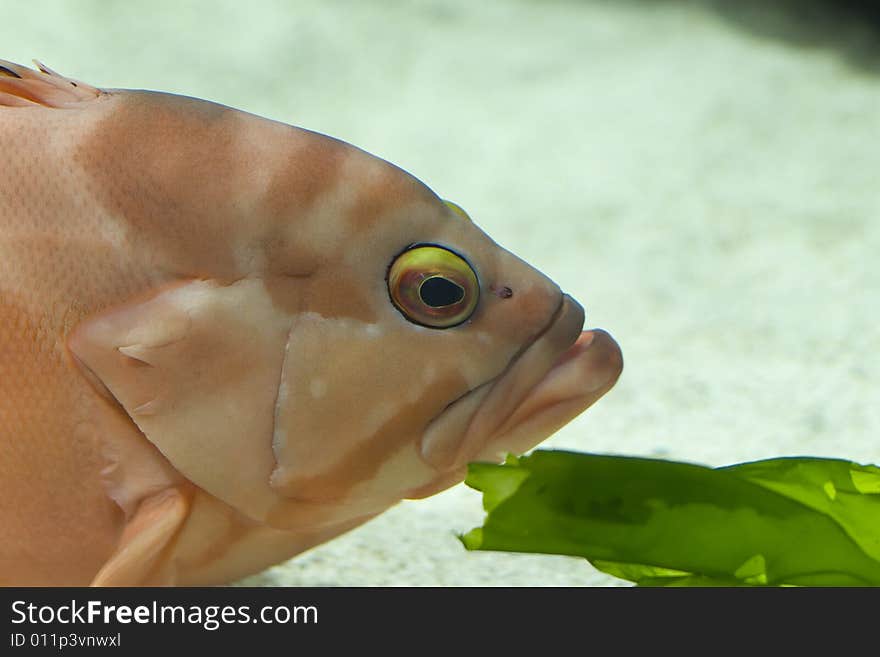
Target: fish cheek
{"x": 351, "y": 402}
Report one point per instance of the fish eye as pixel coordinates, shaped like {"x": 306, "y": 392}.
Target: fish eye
{"x": 433, "y": 286}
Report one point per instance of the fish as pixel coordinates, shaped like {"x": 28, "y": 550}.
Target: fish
{"x": 225, "y": 340}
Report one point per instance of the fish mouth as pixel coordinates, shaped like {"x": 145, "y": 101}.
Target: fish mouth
{"x": 557, "y": 375}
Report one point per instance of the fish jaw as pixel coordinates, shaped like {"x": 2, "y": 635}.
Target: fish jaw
{"x": 582, "y": 375}
{"x": 557, "y": 376}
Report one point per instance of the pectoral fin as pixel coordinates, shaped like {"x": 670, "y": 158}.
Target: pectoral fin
{"x": 197, "y": 367}
{"x": 147, "y": 534}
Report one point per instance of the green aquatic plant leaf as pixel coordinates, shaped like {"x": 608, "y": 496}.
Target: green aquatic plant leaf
{"x": 785, "y": 521}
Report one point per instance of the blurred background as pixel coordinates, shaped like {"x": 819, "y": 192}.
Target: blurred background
{"x": 704, "y": 176}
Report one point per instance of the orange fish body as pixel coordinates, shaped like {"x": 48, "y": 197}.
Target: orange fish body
{"x": 224, "y": 340}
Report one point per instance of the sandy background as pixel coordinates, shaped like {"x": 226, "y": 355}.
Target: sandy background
{"x": 703, "y": 176}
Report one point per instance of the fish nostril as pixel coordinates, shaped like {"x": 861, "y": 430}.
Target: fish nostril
{"x": 503, "y": 292}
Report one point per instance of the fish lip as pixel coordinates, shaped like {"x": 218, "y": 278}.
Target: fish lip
{"x": 449, "y": 454}
{"x": 513, "y": 359}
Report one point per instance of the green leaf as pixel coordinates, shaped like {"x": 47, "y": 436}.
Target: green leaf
{"x": 787, "y": 521}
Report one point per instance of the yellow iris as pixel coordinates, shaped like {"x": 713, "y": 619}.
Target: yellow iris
{"x": 433, "y": 286}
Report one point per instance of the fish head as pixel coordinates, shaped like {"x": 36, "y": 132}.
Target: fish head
{"x": 421, "y": 345}
{"x": 325, "y": 335}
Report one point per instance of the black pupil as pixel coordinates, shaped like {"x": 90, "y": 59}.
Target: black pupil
{"x": 438, "y": 292}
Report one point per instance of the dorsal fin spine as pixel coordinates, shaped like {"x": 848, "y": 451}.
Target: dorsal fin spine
{"x": 21, "y": 86}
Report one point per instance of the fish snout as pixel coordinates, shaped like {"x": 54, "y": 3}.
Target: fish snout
{"x": 557, "y": 375}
